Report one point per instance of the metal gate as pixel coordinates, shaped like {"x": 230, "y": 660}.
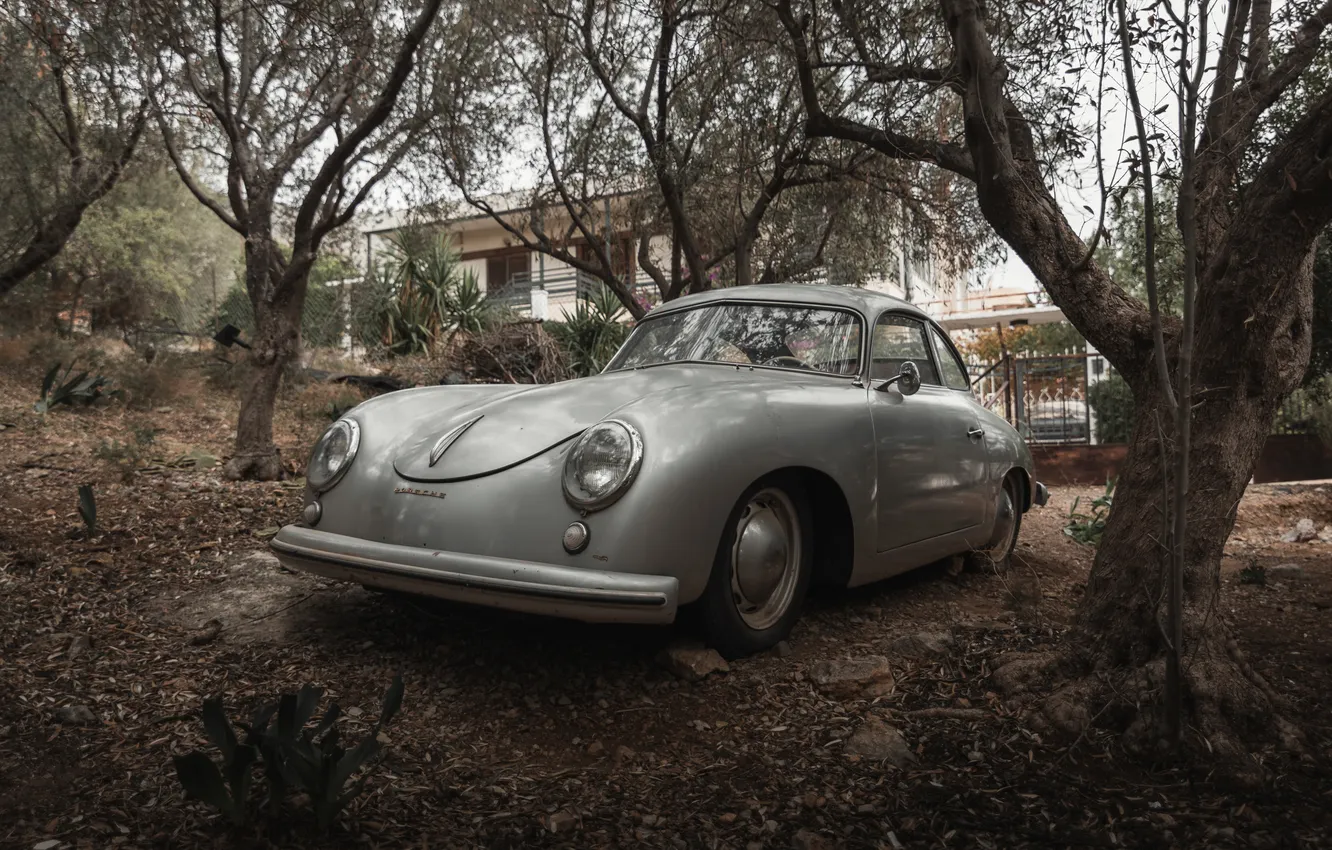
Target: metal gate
{"x": 1044, "y": 398}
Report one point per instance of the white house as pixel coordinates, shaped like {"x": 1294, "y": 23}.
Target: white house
{"x": 533, "y": 280}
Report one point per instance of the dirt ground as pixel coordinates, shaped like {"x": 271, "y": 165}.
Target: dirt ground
{"x": 518, "y": 731}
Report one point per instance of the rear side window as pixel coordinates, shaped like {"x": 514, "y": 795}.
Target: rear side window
{"x": 954, "y": 373}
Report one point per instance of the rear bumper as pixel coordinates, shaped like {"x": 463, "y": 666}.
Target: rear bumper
{"x": 1040, "y": 494}
{"x": 589, "y": 595}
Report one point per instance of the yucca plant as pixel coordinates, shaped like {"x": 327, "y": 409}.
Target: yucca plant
{"x": 434, "y": 296}
{"x": 593, "y": 332}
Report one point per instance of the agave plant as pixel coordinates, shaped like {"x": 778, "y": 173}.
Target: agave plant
{"x": 593, "y": 332}
{"x": 80, "y": 389}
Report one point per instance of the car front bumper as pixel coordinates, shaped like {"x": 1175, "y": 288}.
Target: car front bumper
{"x": 593, "y": 596}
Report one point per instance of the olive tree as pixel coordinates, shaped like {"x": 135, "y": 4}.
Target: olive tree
{"x": 677, "y": 120}
{"x": 296, "y": 111}
{"x": 72, "y": 120}
{"x": 1254, "y": 234}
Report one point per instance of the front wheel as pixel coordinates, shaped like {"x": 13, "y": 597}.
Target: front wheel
{"x": 762, "y": 569}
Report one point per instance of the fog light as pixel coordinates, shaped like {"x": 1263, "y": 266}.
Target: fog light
{"x": 575, "y": 538}
{"x": 312, "y": 513}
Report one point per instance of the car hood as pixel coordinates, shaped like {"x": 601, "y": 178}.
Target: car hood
{"x": 496, "y": 434}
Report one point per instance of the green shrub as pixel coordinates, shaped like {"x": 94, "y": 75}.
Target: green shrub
{"x": 128, "y": 457}
{"x": 148, "y": 385}
{"x": 593, "y": 333}
{"x": 1088, "y": 527}
{"x": 88, "y": 508}
{"x": 294, "y": 753}
{"x": 1254, "y": 573}
{"x": 1111, "y": 402}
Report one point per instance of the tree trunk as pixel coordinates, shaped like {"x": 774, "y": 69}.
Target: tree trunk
{"x": 1113, "y": 669}
{"x": 277, "y": 344}
{"x": 744, "y": 262}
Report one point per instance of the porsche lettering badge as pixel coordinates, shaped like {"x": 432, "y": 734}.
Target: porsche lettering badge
{"x": 412, "y": 491}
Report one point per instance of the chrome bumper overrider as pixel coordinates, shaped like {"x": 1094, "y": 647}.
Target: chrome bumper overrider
{"x": 1041, "y": 494}
{"x": 578, "y": 594}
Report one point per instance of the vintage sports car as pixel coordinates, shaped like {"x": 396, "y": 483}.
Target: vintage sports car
{"x": 742, "y": 444}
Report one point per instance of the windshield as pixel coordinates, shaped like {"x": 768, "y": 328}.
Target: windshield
{"x": 812, "y": 338}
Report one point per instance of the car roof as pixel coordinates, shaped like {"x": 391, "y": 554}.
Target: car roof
{"x": 865, "y": 301}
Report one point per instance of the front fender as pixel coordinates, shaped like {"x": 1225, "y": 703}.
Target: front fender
{"x": 704, "y": 449}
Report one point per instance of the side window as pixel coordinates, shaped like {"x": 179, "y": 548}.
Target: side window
{"x": 898, "y": 339}
{"x": 954, "y": 374}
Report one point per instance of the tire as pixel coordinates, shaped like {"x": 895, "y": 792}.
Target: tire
{"x": 771, "y": 520}
{"x": 998, "y": 554}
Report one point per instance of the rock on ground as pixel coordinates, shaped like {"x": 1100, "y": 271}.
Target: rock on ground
{"x": 81, "y": 645}
{"x": 808, "y": 840}
{"x": 877, "y": 740}
{"x": 75, "y": 715}
{"x": 1303, "y": 532}
{"x": 924, "y": 645}
{"x": 1286, "y": 572}
{"x": 693, "y": 664}
{"x": 853, "y": 677}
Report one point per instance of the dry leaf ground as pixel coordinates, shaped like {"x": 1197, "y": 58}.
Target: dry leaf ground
{"x": 520, "y": 732}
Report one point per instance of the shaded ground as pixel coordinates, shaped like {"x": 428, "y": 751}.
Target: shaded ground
{"x": 510, "y": 720}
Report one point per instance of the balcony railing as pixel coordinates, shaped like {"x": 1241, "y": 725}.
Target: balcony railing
{"x": 516, "y": 292}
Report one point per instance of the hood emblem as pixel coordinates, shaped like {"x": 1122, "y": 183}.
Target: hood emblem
{"x": 443, "y": 443}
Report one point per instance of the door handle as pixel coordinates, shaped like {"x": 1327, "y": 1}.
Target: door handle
{"x": 975, "y": 433}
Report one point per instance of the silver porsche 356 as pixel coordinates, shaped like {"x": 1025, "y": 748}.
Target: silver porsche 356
{"x": 742, "y": 444}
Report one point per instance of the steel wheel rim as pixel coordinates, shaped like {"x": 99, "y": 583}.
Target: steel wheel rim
{"x": 765, "y": 559}
{"x": 1005, "y": 524}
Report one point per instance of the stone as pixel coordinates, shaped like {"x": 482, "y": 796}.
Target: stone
{"x": 877, "y": 740}
{"x": 924, "y": 645}
{"x": 808, "y": 840}
{"x": 48, "y": 844}
{"x": 1285, "y": 572}
{"x": 851, "y": 677}
{"x": 81, "y": 645}
{"x": 1303, "y": 532}
{"x": 563, "y": 821}
{"x": 75, "y": 715}
{"x": 691, "y": 663}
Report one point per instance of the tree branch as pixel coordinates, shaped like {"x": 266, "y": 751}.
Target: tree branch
{"x": 52, "y": 234}
{"x": 303, "y": 242}
{"x": 820, "y": 124}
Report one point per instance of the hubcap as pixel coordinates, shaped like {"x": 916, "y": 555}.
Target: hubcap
{"x": 765, "y": 561}
{"x": 1005, "y": 522}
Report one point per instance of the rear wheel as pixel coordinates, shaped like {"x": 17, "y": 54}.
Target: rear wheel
{"x": 1007, "y": 524}
{"x": 762, "y": 569}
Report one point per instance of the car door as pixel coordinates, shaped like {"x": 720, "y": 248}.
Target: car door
{"x": 909, "y": 505}
{"x": 961, "y": 440}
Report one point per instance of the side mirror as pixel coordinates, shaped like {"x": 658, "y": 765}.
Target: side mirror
{"x": 907, "y": 380}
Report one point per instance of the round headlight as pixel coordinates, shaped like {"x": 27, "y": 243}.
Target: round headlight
{"x": 602, "y": 464}
{"x": 333, "y": 454}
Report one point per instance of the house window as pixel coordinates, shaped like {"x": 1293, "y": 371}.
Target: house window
{"x": 622, "y": 256}
{"x": 502, "y": 269}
